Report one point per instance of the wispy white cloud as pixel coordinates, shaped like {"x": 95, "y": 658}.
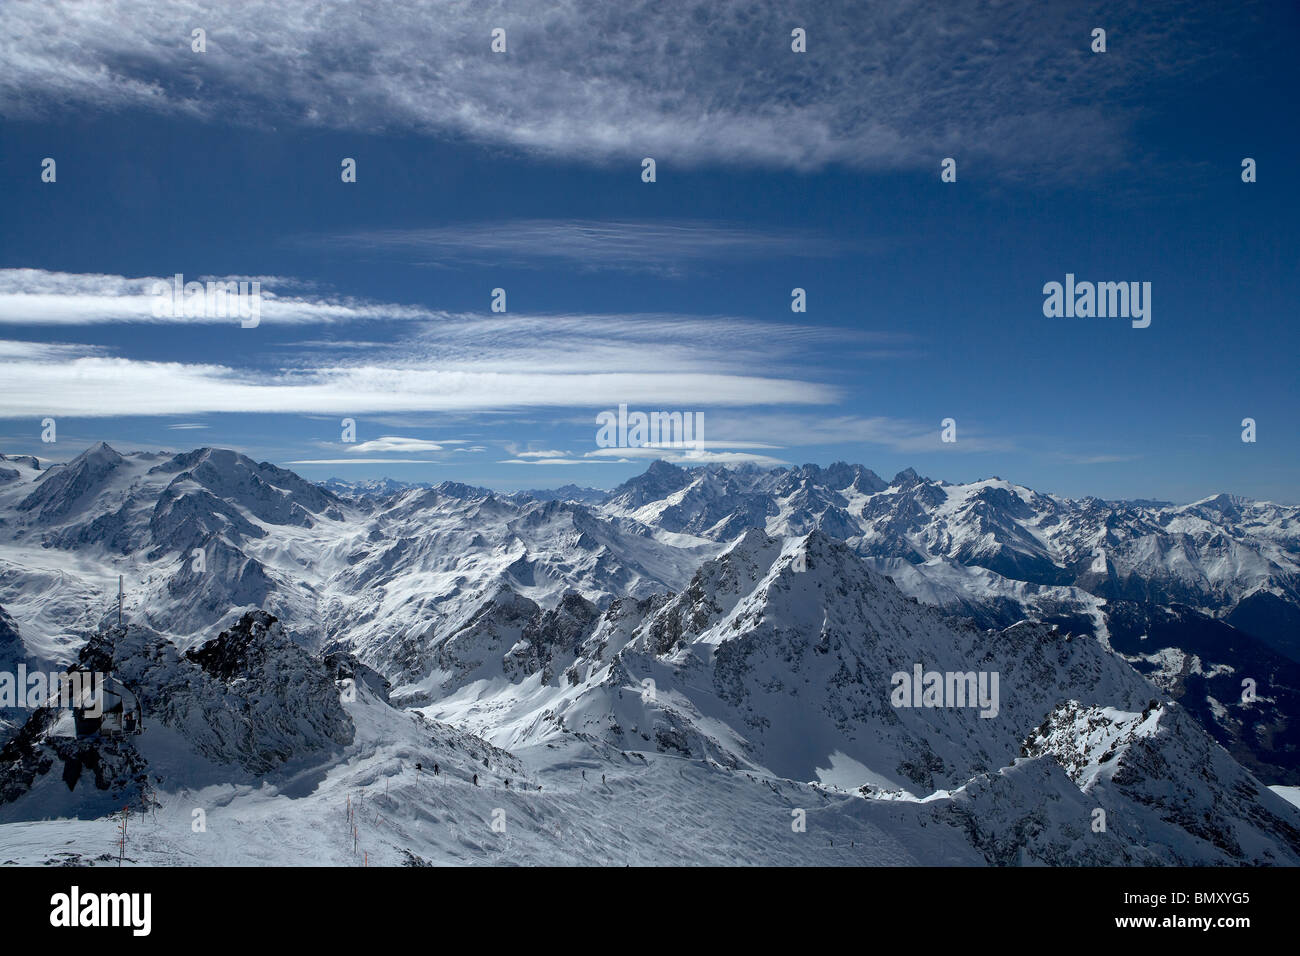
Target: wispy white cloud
{"x": 653, "y": 246}
{"x": 513, "y": 342}
{"x": 688, "y": 456}
{"x": 397, "y": 443}
{"x": 15, "y": 351}
{"x": 702, "y": 453}
{"x": 42, "y": 379}
{"x": 41, "y": 297}
{"x": 712, "y": 444}
{"x": 564, "y": 461}
{"x": 897, "y": 82}
{"x": 646, "y": 342}
{"x": 365, "y": 461}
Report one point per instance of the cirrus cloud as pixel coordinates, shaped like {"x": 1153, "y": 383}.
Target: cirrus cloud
{"x": 895, "y": 83}
{"x": 44, "y": 298}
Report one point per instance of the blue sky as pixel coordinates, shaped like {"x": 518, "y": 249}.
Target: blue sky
{"x": 775, "y": 170}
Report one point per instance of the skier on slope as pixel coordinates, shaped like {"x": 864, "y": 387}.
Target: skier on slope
{"x": 435, "y": 770}
{"x": 476, "y": 780}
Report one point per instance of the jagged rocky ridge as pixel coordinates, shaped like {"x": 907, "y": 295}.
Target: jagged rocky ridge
{"x": 249, "y": 697}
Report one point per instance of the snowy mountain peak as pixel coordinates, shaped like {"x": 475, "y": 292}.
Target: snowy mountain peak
{"x": 906, "y": 478}
{"x": 658, "y": 481}
{"x": 62, "y": 491}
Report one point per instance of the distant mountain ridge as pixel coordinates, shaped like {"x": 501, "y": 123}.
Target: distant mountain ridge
{"x": 746, "y": 618}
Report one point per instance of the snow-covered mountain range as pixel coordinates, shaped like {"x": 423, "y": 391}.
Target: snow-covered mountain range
{"x": 1199, "y": 597}
{"x": 728, "y": 640}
